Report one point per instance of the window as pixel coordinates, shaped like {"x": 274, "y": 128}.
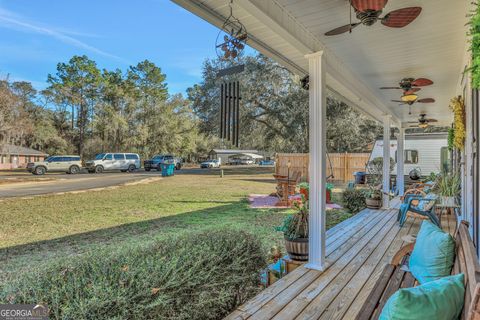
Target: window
{"x": 119, "y": 156}
{"x": 108, "y": 157}
{"x": 131, "y": 156}
{"x": 27, "y": 159}
{"x": 37, "y": 158}
{"x": 100, "y": 156}
{"x": 75, "y": 159}
{"x": 410, "y": 157}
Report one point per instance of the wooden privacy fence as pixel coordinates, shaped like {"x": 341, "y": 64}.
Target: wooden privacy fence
{"x": 342, "y": 164}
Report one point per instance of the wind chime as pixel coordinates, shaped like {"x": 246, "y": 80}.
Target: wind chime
{"x": 229, "y": 45}
{"x": 230, "y": 112}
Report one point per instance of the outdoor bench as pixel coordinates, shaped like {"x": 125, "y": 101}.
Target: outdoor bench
{"x": 395, "y": 276}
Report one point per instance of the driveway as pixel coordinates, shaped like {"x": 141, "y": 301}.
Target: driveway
{"x": 56, "y": 183}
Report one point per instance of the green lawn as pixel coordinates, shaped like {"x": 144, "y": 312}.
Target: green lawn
{"x": 43, "y": 228}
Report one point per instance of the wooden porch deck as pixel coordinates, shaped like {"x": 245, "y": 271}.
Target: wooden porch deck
{"x": 357, "y": 251}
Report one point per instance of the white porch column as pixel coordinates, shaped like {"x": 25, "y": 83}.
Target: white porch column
{"x": 317, "y": 169}
{"x": 386, "y": 160}
{"x": 400, "y": 161}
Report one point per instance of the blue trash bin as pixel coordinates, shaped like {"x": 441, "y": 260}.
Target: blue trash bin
{"x": 167, "y": 169}
{"x": 359, "y": 177}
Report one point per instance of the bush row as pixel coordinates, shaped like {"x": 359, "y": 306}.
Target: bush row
{"x": 202, "y": 275}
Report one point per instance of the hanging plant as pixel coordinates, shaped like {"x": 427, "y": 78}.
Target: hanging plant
{"x": 458, "y": 108}
{"x": 451, "y": 137}
{"x": 475, "y": 46}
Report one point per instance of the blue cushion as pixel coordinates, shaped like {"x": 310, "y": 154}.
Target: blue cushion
{"x": 441, "y": 299}
{"x": 433, "y": 254}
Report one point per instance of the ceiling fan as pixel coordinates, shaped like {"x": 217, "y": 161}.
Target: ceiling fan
{"x": 422, "y": 122}
{"x": 369, "y": 11}
{"x": 410, "y": 97}
{"x": 409, "y": 85}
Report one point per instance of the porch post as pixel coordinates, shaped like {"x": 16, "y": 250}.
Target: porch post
{"x": 400, "y": 161}
{"x": 386, "y": 160}
{"x": 317, "y": 167}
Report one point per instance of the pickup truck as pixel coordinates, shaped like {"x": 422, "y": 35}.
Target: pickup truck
{"x": 158, "y": 159}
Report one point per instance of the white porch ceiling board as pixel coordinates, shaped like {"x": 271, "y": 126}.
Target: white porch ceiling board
{"x": 432, "y": 46}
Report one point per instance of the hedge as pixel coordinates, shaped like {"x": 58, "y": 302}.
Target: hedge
{"x": 202, "y": 275}
{"x": 354, "y": 200}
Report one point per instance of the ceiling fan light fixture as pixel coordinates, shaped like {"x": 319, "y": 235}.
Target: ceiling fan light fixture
{"x": 409, "y": 97}
{"x": 423, "y": 125}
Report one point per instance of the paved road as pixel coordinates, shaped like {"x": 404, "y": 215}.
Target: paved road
{"x": 32, "y": 185}
{"x": 55, "y": 183}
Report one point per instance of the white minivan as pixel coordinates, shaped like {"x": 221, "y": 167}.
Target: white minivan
{"x": 114, "y": 161}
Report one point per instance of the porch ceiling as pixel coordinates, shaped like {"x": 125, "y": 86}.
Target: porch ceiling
{"x": 433, "y": 46}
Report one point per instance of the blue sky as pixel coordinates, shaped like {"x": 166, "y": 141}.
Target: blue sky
{"x": 37, "y": 34}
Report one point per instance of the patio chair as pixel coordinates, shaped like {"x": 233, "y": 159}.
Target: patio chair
{"x": 287, "y": 184}
{"x": 418, "y": 207}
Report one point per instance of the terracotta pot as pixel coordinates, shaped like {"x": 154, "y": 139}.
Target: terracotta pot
{"x": 373, "y": 203}
{"x": 297, "y": 249}
{"x": 304, "y": 191}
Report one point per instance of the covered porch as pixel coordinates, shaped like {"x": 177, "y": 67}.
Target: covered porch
{"x": 345, "y": 262}
{"x": 357, "y": 251}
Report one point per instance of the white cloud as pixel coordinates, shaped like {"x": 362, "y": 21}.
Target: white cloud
{"x": 15, "y": 22}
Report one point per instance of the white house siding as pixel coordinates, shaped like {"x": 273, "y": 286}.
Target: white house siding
{"x": 428, "y": 154}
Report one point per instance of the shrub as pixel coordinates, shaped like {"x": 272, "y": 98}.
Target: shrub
{"x": 203, "y": 275}
{"x": 354, "y": 200}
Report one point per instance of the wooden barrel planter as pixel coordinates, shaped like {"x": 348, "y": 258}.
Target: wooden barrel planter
{"x": 373, "y": 203}
{"x": 297, "y": 249}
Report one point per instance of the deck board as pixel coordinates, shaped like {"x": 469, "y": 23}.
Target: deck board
{"x": 357, "y": 251}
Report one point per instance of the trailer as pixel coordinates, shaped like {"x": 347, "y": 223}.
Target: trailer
{"x": 427, "y": 152}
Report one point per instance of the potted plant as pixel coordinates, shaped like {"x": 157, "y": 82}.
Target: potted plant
{"x": 448, "y": 188}
{"x": 373, "y": 198}
{"x": 373, "y": 195}
{"x": 295, "y": 231}
{"x": 304, "y": 189}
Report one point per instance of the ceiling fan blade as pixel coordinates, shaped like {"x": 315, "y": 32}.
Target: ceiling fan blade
{"x": 401, "y": 17}
{"x": 343, "y": 29}
{"x": 426, "y": 100}
{"x": 364, "y": 5}
{"x": 421, "y": 82}
{"x": 399, "y": 101}
{"x": 390, "y": 88}
{"x": 431, "y": 120}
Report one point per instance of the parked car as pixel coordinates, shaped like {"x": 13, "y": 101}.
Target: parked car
{"x": 68, "y": 164}
{"x": 267, "y": 163}
{"x": 213, "y": 163}
{"x": 114, "y": 161}
{"x": 158, "y": 159}
{"x": 247, "y": 161}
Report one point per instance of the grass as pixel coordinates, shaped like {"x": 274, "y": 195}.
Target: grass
{"x": 43, "y": 228}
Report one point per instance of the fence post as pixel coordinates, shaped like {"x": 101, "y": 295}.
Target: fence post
{"x": 346, "y": 167}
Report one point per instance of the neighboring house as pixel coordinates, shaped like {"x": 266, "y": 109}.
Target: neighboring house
{"x": 224, "y": 154}
{"x": 12, "y": 157}
{"x": 425, "y": 151}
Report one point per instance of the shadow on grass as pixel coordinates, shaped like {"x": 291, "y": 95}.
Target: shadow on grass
{"x": 234, "y": 214}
